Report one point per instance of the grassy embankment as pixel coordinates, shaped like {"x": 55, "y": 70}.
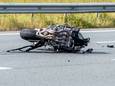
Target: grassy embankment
{"x": 18, "y": 21}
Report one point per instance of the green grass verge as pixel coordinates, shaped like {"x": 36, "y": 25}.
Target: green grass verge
{"x": 20, "y": 21}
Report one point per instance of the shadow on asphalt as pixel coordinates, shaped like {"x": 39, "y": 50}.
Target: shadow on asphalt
{"x": 52, "y": 52}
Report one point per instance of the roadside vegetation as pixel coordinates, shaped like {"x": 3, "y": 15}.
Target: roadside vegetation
{"x": 19, "y": 21}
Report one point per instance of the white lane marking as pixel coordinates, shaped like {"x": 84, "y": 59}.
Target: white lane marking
{"x": 5, "y": 68}
{"x": 7, "y": 34}
{"x": 97, "y": 31}
{"x": 105, "y": 42}
{"x": 113, "y": 59}
{"x": 84, "y": 31}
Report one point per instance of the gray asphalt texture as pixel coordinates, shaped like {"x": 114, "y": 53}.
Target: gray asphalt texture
{"x": 45, "y": 68}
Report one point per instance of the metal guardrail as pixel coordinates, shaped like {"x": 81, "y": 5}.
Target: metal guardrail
{"x": 56, "y": 7}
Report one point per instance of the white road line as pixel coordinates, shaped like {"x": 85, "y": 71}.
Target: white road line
{"x": 105, "y": 42}
{"x": 7, "y": 34}
{"x": 83, "y": 31}
{"x": 97, "y": 31}
{"x": 113, "y": 59}
{"x": 5, "y": 68}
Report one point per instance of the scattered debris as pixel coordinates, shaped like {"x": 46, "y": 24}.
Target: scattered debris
{"x": 103, "y": 46}
{"x": 90, "y": 50}
{"x": 68, "y": 60}
{"x": 110, "y": 46}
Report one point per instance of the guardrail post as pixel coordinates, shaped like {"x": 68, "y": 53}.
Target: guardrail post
{"x": 65, "y": 18}
{"x": 32, "y": 21}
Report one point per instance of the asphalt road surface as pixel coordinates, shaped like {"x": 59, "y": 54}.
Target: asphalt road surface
{"x": 45, "y": 68}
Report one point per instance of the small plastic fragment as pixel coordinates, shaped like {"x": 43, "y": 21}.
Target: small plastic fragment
{"x": 110, "y": 46}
